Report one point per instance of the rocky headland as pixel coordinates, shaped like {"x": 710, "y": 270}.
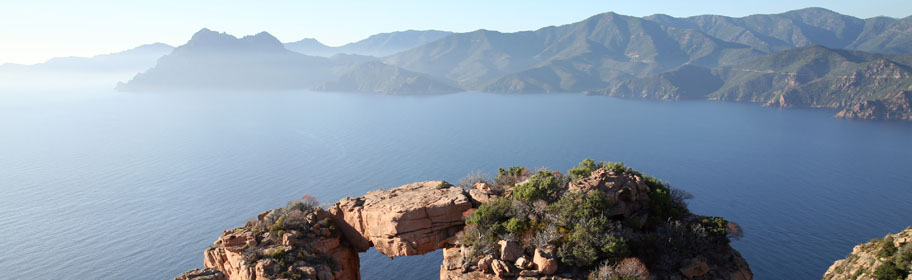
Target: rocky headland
{"x": 887, "y": 258}
{"x": 597, "y": 221}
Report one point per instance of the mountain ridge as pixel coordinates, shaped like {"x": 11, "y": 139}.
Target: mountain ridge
{"x": 859, "y": 84}
{"x": 132, "y": 60}
{"x": 213, "y": 60}
{"x": 377, "y": 45}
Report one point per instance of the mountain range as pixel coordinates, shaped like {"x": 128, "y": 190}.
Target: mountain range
{"x": 608, "y": 48}
{"x": 859, "y": 84}
{"x": 804, "y": 58}
{"x": 132, "y": 60}
{"x": 378, "y": 45}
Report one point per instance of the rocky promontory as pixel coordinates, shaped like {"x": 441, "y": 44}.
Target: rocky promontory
{"x": 887, "y": 258}
{"x": 597, "y": 221}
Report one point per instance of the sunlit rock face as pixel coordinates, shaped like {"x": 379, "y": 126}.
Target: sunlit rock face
{"x": 413, "y": 219}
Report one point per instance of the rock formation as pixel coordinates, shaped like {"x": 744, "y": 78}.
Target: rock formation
{"x": 295, "y": 242}
{"x": 896, "y": 106}
{"x": 548, "y": 226}
{"x": 413, "y": 219}
{"x": 889, "y": 257}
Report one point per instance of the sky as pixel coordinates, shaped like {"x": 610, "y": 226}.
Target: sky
{"x": 33, "y": 31}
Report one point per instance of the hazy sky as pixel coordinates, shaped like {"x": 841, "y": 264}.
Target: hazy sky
{"x": 34, "y": 30}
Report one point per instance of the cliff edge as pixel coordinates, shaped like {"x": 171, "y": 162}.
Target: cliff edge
{"x": 887, "y": 258}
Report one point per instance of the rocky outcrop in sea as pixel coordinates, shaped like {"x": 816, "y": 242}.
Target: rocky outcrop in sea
{"x": 598, "y": 221}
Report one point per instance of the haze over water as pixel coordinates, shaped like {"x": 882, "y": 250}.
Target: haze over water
{"x": 107, "y": 185}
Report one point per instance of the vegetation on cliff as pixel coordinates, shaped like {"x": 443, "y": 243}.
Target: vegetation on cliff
{"x": 600, "y": 220}
{"x": 299, "y": 241}
{"x": 887, "y": 258}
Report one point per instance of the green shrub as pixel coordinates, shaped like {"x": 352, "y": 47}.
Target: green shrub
{"x": 903, "y": 257}
{"x": 576, "y": 207}
{"x": 513, "y": 171}
{"x": 890, "y": 271}
{"x": 590, "y": 234}
{"x": 617, "y": 167}
{"x": 480, "y": 242}
{"x": 540, "y": 186}
{"x": 664, "y": 202}
{"x": 516, "y": 225}
{"x": 592, "y": 241}
{"x": 886, "y": 248}
{"x": 278, "y": 227}
{"x": 443, "y": 185}
{"x": 509, "y": 176}
{"x": 662, "y": 205}
{"x": 584, "y": 169}
{"x": 716, "y": 226}
{"x": 278, "y": 254}
{"x": 489, "y": 216}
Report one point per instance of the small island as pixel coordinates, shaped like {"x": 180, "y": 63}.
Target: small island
{"x": 596, "y": 221}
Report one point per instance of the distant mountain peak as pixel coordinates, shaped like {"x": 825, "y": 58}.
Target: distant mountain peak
{"x": 154, "y": 46}
{"x": 309, "y": 41}
{"x": 812, "y": 10}
{"x": 206, "y": 32}
{"x": 208, "y": 40}
{"x": 264, "y": 38}
{"x": 607, "y": 15}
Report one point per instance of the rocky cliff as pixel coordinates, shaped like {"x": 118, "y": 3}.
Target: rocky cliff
{"x": 299, "y": 241}
{"x": 857, "y": 85}
{"x": 887, "y": 258}
{"x": 600, "y": 221}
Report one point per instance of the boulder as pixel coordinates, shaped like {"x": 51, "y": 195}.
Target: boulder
{"x": 544, "y": 262}
{"x": 453, "y": 259}
{"x": 484, "y": 265}
{"x": 232, "y": 240}
{"x": 291, "y": 238}
{"x": 413, "y": 219}
{"x": 480, "y": 197}
{"x": 510, "y": 250}
{"x": 501, "y": 268}
{"x": 628, "y": 193}
{"x": 524, "y": 263}
{"x": 263, "y": 269}
{"x": 456, "y": 266}
{"x": 694, "y": 267}
{"x": 484, "y": 188}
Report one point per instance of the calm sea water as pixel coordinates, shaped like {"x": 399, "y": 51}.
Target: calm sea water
{"x": 102, "y": 185}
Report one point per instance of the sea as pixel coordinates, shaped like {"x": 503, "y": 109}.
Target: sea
{"x": 99, "y": 184}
